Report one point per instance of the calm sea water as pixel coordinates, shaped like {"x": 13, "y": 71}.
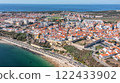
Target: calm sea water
{"x": 12, "y": 56}
{"x": 51, "y": 7}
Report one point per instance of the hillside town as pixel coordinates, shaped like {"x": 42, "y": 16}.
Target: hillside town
{"x": 82, "y": 31}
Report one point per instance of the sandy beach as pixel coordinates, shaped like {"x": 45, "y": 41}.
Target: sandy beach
{"x": 56, "y": 62}
{"x": 5, "y": 42}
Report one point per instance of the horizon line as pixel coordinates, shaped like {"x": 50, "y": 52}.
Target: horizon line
{"x": 64, "y": 3}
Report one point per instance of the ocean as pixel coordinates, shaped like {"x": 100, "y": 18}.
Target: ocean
{"x": 58, "y": 7}
{"x": 13, "y": 56}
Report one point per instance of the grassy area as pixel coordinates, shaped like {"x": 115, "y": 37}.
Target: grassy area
{"x": 56, "y": 18}
{"x": 83, "y": 56}
{"x": 99, "y": 47}
{"x": 58, "y": 51}
{"x": 18, "y": 36}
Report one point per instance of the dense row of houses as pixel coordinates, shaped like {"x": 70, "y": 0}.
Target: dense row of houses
{"x": 71, "y": 28}
{"x": 107, "y": 52}
{"x": 89, "y": 28}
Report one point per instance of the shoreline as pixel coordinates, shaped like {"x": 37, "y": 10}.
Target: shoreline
{"x": 4, "y": 42}
{"x": 59, "y": 11}
{"x": 54, "y": 61}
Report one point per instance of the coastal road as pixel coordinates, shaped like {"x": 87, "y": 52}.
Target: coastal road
{"x": 103, "y": 63}
{"x": 44, "y": 52}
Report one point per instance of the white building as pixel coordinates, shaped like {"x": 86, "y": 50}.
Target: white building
{"x": 92, "y": 21}
{"x": 118, "y": 24}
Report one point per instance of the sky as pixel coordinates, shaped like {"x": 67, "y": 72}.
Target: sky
{"x": 61, "y": 1}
